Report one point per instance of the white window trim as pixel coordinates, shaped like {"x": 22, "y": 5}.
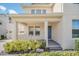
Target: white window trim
{"x": 40, "y": 10}
{"x": 74, "y": 28}
{"x": 33, "y": 30}
{"x": 29, "y": 31}
{"x": 72, "y": 23}
{"x": 34, "y": 11}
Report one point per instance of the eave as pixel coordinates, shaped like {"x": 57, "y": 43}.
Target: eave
{"x": 53, "y": 15}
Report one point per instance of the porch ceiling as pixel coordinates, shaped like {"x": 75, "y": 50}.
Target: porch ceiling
{"x": 37, "y": 18}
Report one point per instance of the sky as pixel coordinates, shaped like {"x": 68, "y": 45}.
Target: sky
{"x": 11, "y": 8}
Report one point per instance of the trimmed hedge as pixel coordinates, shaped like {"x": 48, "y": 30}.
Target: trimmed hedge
{"x": 23, "y": 46}
{"x": 77, "y": 44}
{"x": 56, "y": 53}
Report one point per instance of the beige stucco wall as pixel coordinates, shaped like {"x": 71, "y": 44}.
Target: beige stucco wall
{"x": 58, "y": 7}
{"x": 57, "y": 32}
{"x": 71, "y": 11}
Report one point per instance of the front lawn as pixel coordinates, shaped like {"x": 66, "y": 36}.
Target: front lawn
{"x": 54, "y": 53}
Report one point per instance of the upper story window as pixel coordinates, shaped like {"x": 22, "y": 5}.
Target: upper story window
{"x": 43, "y": 11}
{"x": 38, "y": 11}
{"x": 32, "y": 11}
{"x": 21, "y": 31}
{"x": 10, "y": 20}
{"x": 10, "y": 31}
{"x": 75, "y": 28}
{"x": 0, "y": 23}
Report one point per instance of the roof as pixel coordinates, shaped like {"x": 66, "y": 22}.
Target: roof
{"x": 37, "y": 5}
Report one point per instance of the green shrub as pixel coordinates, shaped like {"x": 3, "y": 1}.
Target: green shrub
{"x": 77, "y": 45}
{"x": 23, "y": 45}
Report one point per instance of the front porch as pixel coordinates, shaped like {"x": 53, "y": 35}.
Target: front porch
{"x": 46, "y": 30}
{"x": 53, "y": 45}
{"x": 45, "y": 27}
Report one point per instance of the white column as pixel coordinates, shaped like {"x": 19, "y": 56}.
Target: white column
{"x": 46, "y": 32}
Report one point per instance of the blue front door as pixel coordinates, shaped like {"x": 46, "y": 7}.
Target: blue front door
{"x": 49, "y": 32}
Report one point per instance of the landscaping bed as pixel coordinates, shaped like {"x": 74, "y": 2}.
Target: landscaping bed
{"x": 54, "y": 53}
{"x": 24, "y": 46}
{"x": 77, "y": 44}
{"x": 36, "y": 48}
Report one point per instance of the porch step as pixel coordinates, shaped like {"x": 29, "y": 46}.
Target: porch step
{"x": 55, "y": 48}
{"x": 53, "y": 45}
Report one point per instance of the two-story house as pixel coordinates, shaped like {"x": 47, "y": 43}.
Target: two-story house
{"x": 54, "y": 22}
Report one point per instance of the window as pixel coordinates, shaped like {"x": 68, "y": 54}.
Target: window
{"x": 10, "y": 31}
{"x": 75, "y": 28}
{"x": 22, "y": 32}
{"x": 27, "y": 11}
{"x": 34, "y": 30}
{"x": 31, "y": 30}
{"x": 0, "y": 23}
{"x": 37, "y": 30}
{"x": 75, "y": 33}
{"x": 38, "y": 11}
{"x": 43, "y": 11}
{"x": 32, "y": 11}
{"x": 10, "y": 21}
{"x": 75, "y": 24}
{"x": 76, "y": 3}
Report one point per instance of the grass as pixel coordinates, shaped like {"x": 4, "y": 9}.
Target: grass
{"x": 53, "y": 53}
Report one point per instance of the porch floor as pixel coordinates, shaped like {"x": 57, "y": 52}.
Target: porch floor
{"x": 53, "y": 45}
